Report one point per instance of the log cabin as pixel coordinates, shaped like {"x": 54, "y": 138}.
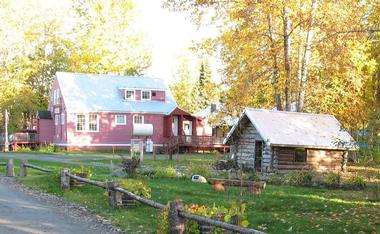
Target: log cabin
{"x": 279, "y": 141}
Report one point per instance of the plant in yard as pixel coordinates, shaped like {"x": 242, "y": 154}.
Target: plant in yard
{"x": 332, "y": 179}
{"x": 304, "y": 178}
{"x": 82, "y": 171}
{"x": 235, "y": 215}
{"x": 168, "y": 172}
{"x": 135, "y": 186}
{"x": 356, "y": 182}
{"x": 203, "y": 169}
{"x": 276, "y": 179}
{"x": 130, "y": 165}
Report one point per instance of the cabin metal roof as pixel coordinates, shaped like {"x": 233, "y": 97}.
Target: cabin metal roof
{"x": 295, "y": 129}
{"x": 101, "y": 93}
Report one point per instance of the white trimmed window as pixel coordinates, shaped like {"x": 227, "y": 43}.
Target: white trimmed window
{"x": 138, "y": 119}
{"x": 93, "y": 123}
{"x": 54, "y": 96}
{"x": 62, "y": 119}
{"x": 58, "y": 98}
{"x": 130, "y": 94}
{"x": 145, "y": 95}
{"x": 81, "y": 123}
{"x": 120, "y": 120}
{"x": 56, "y": 119}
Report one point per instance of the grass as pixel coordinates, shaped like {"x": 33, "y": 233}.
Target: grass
{"x": 279, "y": 209}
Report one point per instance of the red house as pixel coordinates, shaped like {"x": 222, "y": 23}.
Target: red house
{"x": 96, "y": 112}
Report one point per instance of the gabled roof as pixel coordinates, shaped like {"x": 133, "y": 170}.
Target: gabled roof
{"x": 295, "y": 129}
{"x": 100, "y": 93}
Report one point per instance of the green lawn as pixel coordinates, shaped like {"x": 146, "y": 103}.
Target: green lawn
{"x": 280, "y": 209}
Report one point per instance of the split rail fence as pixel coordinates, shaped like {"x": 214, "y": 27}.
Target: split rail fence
{"x": 177, "y": 214}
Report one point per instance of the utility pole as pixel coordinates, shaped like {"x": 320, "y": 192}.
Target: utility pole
{"x": 6, "y": 143}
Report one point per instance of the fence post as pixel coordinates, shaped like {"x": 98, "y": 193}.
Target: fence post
{"x": 114, "y": 197}
{"x": 176, "y": 223}
{"x": 23, "y": 170}
{"x": 65, "y": 179}
{"x": 10, "y": 168}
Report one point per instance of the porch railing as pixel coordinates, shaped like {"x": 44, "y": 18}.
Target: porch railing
{"x": 196, "y": 140}
{"x": 23, "y": 137}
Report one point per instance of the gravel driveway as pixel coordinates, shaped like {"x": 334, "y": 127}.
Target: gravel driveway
{"x": 23, "y": 210}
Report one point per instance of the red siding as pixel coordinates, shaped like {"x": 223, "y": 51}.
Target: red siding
{"x": 110, "y": 133}
{"x": 45, "y": 129}
{"x": 160, "y": 95}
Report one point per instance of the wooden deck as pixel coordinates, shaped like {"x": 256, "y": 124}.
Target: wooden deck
{"x": 195, "y": 143}
{"x": 23, "y": 139}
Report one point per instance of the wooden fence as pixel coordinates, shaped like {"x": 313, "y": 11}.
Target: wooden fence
{"x": 177, "y": 214}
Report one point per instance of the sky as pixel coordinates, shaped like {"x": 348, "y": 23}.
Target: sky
{"x": 170, "y": 34}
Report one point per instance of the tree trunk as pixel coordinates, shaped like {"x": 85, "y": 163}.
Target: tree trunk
{"x": 307, "y": 54}
{"x": 287, "y": 45}
{"x": 277, "y": 95}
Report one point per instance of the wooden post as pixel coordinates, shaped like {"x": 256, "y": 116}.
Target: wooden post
{"x": 141, "y": 151}
{"x": 154, "y": 153}
{"x": 6, "y": 143}
{"x": 23, "y": 169}
{"x": 176, "y": 223}
{"x": 114, "y": 197}
{"x": 10, "y": 168}
{"x": 65, "y": 179}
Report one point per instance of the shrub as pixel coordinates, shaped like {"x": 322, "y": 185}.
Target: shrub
{"x": 356, "y": 182}
{"x": 202, "y": 169}
{"x": 332, "y": 179}
{"x": 168, "y": 172}
{"x": 48, "y": 148}
{"x": 130, "y": 165}
{"x": 276, "y": 179}
{"x": 135, "y": 186}
{"x": 299, "y": 178}
{"x": 83, "y": 171}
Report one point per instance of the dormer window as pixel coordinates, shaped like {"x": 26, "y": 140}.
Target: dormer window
{"x": 129, "y": 94}
{"x": 146, "y": 95}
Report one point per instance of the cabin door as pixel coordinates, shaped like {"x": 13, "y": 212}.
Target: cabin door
{"x": 188, "y": 130}
{"x": 175, "y": 125}
{"x": 258, "y": 154}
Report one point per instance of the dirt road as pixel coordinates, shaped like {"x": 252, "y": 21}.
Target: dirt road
{"x": 26, "y": 211}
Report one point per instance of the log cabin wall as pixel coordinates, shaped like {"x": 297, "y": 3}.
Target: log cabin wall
{"x": 244, "y": 145}
{"x": 316, "y": 159}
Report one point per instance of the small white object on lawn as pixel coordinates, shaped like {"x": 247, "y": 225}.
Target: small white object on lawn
{"x": 198, "y": 178}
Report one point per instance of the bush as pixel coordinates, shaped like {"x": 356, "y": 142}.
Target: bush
{"x": 356, "y": 182}
{"x": 130, "y": 165}
{"x": 202, "y": 169}
{"x": 299, "y": 178}
{"x": 135, "y": 186}
{"x": 169, "y": 172}
{"x": 82, "y": 171}
{"x": 48, "y": 148}
{"x": 276, "y": 179}
{"x": 332, "y": 179}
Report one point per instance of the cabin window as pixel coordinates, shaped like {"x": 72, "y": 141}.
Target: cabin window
{"x": 138, "y": 119}
{"x": 93, "y": 125}
{"x": 153, "y": 93}
{"x": 145, "y": 95}
{"x": 81, "y": 122}
{"x": 62, "y": 119}
{"x": 56, "y": 119}
{"x": 300, "y": 155}
{"x": 130, "y": 94}
{"x": 121, "y": 120}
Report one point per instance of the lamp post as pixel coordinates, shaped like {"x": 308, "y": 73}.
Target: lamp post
{"x": 6, "y": 143}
